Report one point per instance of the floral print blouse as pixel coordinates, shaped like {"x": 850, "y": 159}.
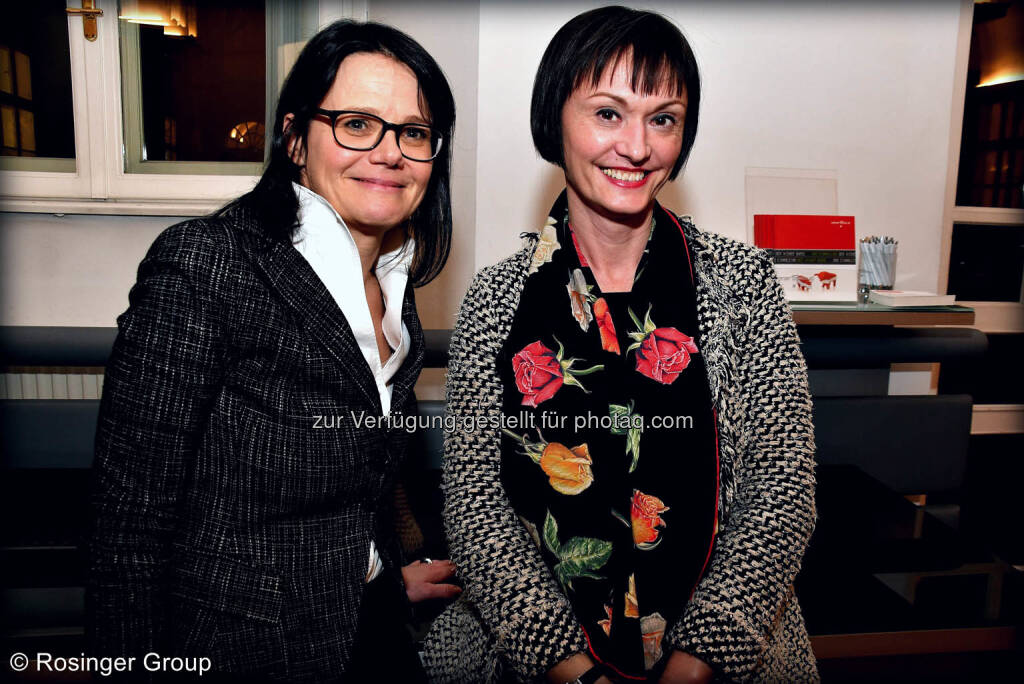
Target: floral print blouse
{"x": 609, "y": 453}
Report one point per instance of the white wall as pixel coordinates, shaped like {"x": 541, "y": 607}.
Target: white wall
{"x": 449, "y": 32}
{"x": 70, "y": 270}
{"x": 863, "y": 89}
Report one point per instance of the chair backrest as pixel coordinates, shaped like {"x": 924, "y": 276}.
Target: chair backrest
{"x": 872, "y": 433}
{"x": 427, "y": 448}
{"x": 47, "y": 433}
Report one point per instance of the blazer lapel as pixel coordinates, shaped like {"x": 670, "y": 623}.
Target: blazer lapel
{"x": 721, "y": 316}
{"x": 404, "y": 379}
{"x": 294, "y": 279}
{"x": 717, "y": 313}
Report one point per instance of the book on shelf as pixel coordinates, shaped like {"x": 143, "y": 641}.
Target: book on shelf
{"x": 897, "y": 298}
{"x": 815, "y": 256}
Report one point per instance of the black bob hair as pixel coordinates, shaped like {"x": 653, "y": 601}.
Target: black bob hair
{"x": 594, "y": 41}
{"x": 273, "y": 199}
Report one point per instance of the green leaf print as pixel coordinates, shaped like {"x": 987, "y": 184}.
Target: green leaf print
{"x": 532, "y": 449}
{"x": 643, "y": 329}
{"x": 620, "y": 417}
{"x": 567, "y": 572}
{"x": 585, "y": 553}
{"x": 625, "y": 423}
{"x": 568, "y": 372}
{"x": 633, "y": 447}
{"x": 551, "y": 533}
{"x": 578, "y": 557}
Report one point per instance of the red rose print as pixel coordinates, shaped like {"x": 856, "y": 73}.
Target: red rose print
{"x": 538, "y": 373}
{"x": 664, "y": 354}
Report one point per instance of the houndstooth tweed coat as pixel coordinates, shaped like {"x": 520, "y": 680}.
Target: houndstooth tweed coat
{"x": 743, "y": 619}
{"x": 235, "y": 494}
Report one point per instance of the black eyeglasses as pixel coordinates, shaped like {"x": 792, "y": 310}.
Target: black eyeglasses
{"x": 361, "y": 131}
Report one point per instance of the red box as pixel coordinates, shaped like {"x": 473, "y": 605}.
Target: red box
{"x": 797, "y": 231}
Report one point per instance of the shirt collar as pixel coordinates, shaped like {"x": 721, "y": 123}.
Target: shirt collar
{"x": 319, "y": 221}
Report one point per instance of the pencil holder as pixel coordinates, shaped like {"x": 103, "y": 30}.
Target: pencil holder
{"x": 877, "y": 265}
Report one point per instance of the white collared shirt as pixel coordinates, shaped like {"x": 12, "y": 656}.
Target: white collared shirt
{"x": 327, "y": 245}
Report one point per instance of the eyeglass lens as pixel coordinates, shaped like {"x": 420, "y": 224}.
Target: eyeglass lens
{"x": 362, "y": 132}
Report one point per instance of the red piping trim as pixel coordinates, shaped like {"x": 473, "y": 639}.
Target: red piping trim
{"x": 590, "y": 647}
{"x": 579, "y": 252}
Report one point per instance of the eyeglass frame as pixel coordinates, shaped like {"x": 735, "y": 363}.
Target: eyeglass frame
{"x": 333, "y": 114}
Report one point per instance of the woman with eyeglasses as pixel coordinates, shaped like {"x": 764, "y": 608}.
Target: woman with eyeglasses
{"x": 643, "y": 512}
{"x": 243, "y": 491}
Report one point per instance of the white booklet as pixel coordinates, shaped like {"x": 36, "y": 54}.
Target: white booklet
{"x": 910, "y": 298}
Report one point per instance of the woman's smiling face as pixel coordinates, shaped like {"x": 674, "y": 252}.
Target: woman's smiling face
{"x": 373, "y": 190}
{"x": 619, "y": 146}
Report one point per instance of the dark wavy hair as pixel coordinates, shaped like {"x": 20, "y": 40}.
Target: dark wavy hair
{"x": 591, "y": 42}
{"x": 273, "y": 199}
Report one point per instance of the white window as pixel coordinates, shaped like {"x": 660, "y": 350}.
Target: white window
{"x": 168, "y": 106}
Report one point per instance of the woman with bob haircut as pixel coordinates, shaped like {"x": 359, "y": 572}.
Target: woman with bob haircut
{"x": 228, "y": 526}
{"x": 646, "y": 519}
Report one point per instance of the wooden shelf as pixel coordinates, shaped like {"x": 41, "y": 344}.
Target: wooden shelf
{"x": 876, "y": 314}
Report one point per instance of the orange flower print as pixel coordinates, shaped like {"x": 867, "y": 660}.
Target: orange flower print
{"x": 652, "y": 630}
{"x": 632, "y": 607}
{"x": 606, "y": 624}
{"x": 646, "y": 517}
{"x": 568, "y": 470}
{"x": 609, "y": 341}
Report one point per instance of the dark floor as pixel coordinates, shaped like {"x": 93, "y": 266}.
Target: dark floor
{"x": 956, "y": 667}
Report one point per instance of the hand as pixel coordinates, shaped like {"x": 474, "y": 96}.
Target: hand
{"x": 683, "y": 668}
{"x": 426, "y": 580}
{"x": 571, "y": 668}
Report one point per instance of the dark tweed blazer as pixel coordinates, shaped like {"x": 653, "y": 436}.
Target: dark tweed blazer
{"x": 235, "y": 496}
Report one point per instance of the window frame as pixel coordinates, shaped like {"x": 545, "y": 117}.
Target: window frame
{"x": 100, "y": 184}
{"x": 35, "y": 185}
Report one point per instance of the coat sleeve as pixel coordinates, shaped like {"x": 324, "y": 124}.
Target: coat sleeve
{"x": 506, "y": 578}
{"x": 741, "y": 599}
{"x": 164, "y": 370}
